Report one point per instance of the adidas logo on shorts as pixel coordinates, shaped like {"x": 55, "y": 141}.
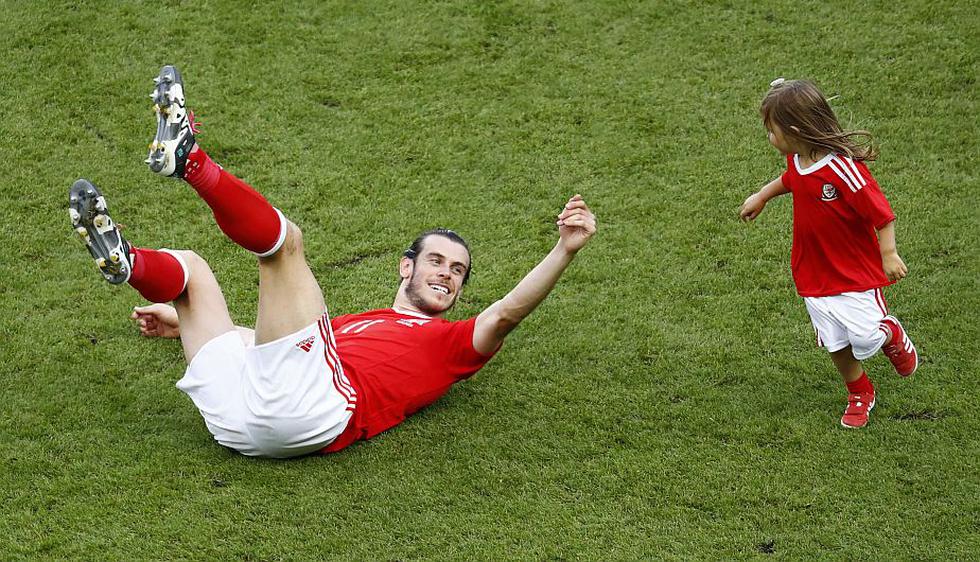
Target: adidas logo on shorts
{"x": 306, "y": 345}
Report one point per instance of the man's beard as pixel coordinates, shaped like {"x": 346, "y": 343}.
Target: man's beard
{"x": 414, "y": 293}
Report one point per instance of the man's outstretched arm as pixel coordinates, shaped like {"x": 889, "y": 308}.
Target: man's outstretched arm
{"x": 576, "y": 225}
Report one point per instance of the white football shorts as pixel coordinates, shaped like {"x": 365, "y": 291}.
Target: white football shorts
{"x": 849, "y": 319}
{"x": 280, "y": 399}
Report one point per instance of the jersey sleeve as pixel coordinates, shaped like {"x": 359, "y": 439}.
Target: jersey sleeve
{"x": 338, "y": 322}
{"x": 787, "y": 177}
{"x": 462, "y": 360}
{"x": 860, "y": 190}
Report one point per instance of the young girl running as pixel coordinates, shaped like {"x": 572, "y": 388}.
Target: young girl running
{"x": 843, "y": 237}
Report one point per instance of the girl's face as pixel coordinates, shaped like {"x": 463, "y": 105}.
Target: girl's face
{"x": 778, "y": 140}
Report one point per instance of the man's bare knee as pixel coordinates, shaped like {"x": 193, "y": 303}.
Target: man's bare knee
{"x": 200, "y": 278}
{"x": 201, "y": 307}
{"x": 291, "y": 246}
{"x": 193, "y": 262}
{"x": 294, "y": 239}
{"x": 289, "y": 295}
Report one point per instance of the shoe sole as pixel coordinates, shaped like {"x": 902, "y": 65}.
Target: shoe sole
{"x": 90, "y": 219}
{"x": 912, "y": 349}
{"x": 871, "y": 407}
{"x": 168, "y": 100}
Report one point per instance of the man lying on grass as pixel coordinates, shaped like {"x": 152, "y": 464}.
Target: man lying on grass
{"x": 302, "y": 382}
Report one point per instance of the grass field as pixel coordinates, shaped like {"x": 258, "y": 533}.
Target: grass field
{"x": 667, "y": 401}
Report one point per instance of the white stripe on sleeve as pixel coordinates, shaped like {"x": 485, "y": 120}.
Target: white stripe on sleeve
{"x": 834, "y": 166}
{"x": 857, "y": 172}
{"x": 847, "y": 170}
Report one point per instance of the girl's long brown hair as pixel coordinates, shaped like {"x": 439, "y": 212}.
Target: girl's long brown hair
{"x": 801, "y": 112}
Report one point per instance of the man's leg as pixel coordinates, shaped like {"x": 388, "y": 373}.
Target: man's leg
{"x": 158, "y": 275}
{"x": 240, "y": 211}
{"x": 201, "y": 308}
{"x": 289, "y": 296}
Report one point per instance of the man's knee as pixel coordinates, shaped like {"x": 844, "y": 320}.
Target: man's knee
{"x": 293, "y": 244}
{"x": 196, "y": 270}
{"x": 191, "y": 260}
{"x": 201, "y": 290}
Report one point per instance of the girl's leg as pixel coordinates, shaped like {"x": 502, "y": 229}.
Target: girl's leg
{"x": 861, "y": 393}
{"x": 849, "y": 367}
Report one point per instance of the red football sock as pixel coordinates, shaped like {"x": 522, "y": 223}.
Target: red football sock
{"x": 241, "y": 212}
{"x": 862, "y": 385}
{"x": 158, "y": 275}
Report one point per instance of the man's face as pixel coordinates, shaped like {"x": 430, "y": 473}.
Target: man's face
{"x": 435, "y": 277}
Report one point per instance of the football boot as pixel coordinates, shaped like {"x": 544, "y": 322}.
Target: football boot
{"x": 90, "y": 219}
{"x": 175, "y": 125}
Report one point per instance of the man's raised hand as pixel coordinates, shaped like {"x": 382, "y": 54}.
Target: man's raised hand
{"x": 576, "y": 224}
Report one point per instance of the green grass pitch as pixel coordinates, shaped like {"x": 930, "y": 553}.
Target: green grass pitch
{"x": 667, "y": 401}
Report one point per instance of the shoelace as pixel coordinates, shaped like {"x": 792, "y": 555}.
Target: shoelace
{"x": 194, "y": 125}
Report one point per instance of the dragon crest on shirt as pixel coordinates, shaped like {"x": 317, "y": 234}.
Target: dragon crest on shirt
{"x": 829, "y": 192}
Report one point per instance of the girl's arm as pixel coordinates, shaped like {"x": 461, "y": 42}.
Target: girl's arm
{"x": 753, "y": 206}
{"x": 891, "y": 262}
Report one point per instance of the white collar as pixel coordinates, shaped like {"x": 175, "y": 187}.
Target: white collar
{"x": 813, "y": 167}
{"x": 409, "y": 312}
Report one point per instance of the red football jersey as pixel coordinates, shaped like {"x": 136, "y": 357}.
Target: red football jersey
{"x": 398, "y": 363}
{"x": 837, "y": 208}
